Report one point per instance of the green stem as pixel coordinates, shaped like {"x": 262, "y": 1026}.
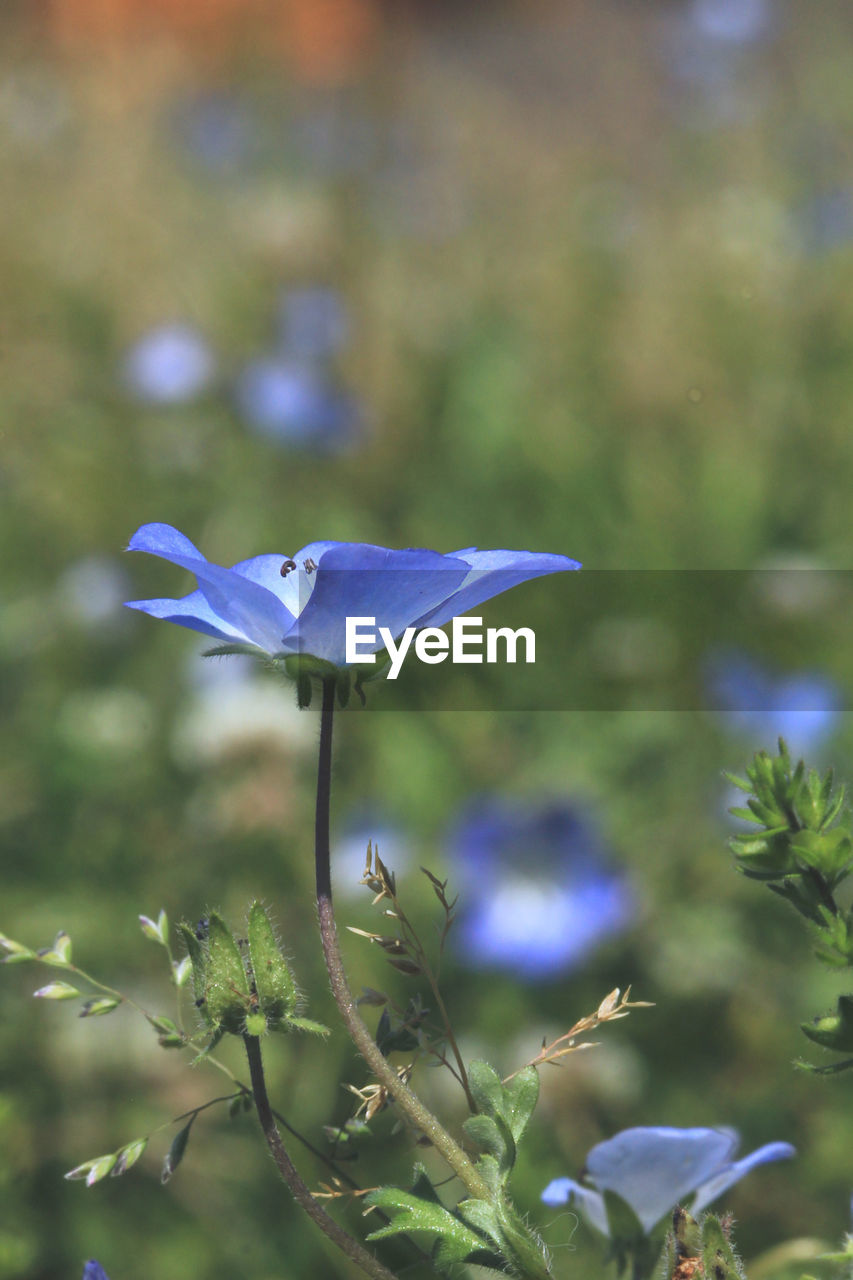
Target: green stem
{"x": 407, "y": 1102}
{"x": 356, "y": 1252}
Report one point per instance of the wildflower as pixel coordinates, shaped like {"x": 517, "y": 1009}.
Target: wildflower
{"x": 543, "y": 891}
{"x": 654, "y": 1169}
{"x": 803, "y": 708}
{"x": 280, "y": 606}
{"x": 296, "y": 405}
{"x": 169, "y": 365}
{"x": 94, "y": 1271}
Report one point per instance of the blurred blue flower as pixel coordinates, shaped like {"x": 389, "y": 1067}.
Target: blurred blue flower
{"x": 217, "y": 130}
{"x": 94, "y": 1271}
{"x": 313, "y": 323}
{"x": 804, "y": 709}
{"x": 654, "y": 1169}
{"x": 826, "y": 222}
{"x": 169, "y": 365}
{"x": 538, "y": 892}
{"x": 91, "y": 590}
{"x": 275, "y": 605}
{"x": 731, "y": 21}
{"x": 294, "y": 405}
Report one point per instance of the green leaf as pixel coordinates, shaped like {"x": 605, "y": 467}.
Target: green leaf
{"x": 493, "y": 1137}
{"x": 409, "y": 1213}
{"x": 520, "y": 1095}
{"x": 718, "y": 1257}
{"x": 486, "y": 1087}
{"x": 98, "y": 1006}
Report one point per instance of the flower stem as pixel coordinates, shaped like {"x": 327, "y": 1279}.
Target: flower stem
{"x": 370, "y": 1265}
{"x": 408, "y": 1103}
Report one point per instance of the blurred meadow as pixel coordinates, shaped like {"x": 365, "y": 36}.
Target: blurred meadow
{"x": 574, "y": 277}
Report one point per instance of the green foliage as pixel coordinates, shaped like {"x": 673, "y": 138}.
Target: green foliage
{"x": 804, "y": 853}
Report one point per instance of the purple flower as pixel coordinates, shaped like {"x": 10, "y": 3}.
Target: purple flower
{"x": 295, "y": 405}
{"x": 169, "y": 365}
{"x": 804, "y": 708}
{"x": 538, "y": 892}
{"x": 654, "y": 1169}
{"x": 279, "y": 606}
{"x": 94, "y": 1271}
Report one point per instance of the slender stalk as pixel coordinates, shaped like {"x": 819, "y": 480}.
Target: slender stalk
{"x": 407, "y": 1101}
{"x": 356, "y": 1252}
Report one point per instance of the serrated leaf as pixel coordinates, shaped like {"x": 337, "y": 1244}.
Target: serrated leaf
{"x": 98, "y": 1006}
{"x": 57, "y": 991}
{"x": 410, "y": 1214}
{"x": 482, "y": 1216}
{"x": 127, "y": 1156}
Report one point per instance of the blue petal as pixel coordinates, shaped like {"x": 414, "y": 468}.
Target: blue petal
{"x": 355, "y": 579}
{"x": 721, "y": 1182}
{"x": 249, "y": 610}
{"x": 652, "y": 1169}
{"x": 191, "y": 611}
{"x": 94, "y": 1271}
{"x": 492, "y": 572}
{"x": 590, "y": 1203}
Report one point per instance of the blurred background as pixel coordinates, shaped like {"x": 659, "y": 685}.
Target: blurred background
{"x": 574, "y": 277}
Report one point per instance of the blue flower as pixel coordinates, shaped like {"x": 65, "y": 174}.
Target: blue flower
{"x": 94, "y": 1271}
{"x": 654, "y": 1169}
{"x": 731, "y": 21}
{"x": 313, "y": 323}
{"x": 295, "y": 405}
{"x": 542, "y": 894}
{"x": 803, "y": 708}
{"x": 170, "y": 365}
{"x": 277, "y": 605}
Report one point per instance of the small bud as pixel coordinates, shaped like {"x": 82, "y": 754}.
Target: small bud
{"x": 92, "y": 1170}
{"x": 15, "y": 951}
{"x": 157, "y": 932}
{"x": 127, "y": 1156}
{"x": 175, "y": 1154}
{"x": 181, "y": 970}
{"x": 57, "y": 991}
{"x": 98, "y": 1006}
{"x": 100, "y": 1169}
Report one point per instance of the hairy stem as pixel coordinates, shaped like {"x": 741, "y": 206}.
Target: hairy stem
{"x": 370, "y": 1265}
{"x": 407, "y": 1102}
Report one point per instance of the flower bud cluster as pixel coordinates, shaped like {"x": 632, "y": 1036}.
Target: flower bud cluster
{"x": 244, "y": 987}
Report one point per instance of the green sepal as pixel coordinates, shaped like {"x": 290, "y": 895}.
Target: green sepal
{"x": 304, "y": 691}
{"x": 227, "y": 996}
{"x": 230, "y": 650}
{"x": 303, "y": 1024}
{"x": 343, "y": 684}
{"x": 198, "y": 959}
{"x": 274, "y": 982}
{"x": 209, "y": 1047}
{"x": 718, "y": 1257}
{"x": 831, "y": 1069}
